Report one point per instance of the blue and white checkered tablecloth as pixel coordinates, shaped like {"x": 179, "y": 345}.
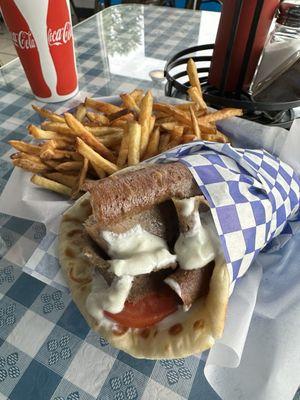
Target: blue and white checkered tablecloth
{"x": 47, "y": 350}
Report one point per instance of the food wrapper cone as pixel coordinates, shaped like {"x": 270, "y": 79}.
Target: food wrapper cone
{"x": 253, "y": 196}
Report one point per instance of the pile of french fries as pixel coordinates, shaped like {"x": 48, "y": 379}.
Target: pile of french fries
{"x": 101, "y": 138}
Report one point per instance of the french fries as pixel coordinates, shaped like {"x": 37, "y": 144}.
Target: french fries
{"x": 195, "y": 95}
{"x": 134, "y": 143}
{"x": 106, "y": 108}
{"x": 48, "y": 114}
{"x": 25, "y": 147}
{"x": 145, "y": 120}
{"x": 195, "y": 83}
{"x": 51, "y": 185}
{"x": 80, "y": 131}
{"x": 195, "y": 124}
{"x": 64, "y": 179}
{"x": 220, "y": 114}
{"x": 69, "y": 166}
{"x": 152, "y": 148}
{"x": 129, "y": 102}
{"x": 193, "y": 74}
{"x": 82, "y": 176}
{"x": 80, "y": 112}
{"x": 123, "y": 152}
{"x": 99, "y": 118}
{"x": 101, "y": 138}
{"x": 86, "y": 151}
{"x": 30, "y": 166}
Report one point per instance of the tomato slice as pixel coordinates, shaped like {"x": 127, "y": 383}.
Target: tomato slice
{"x": 148, "y": 311}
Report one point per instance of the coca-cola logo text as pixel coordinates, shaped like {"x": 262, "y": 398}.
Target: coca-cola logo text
{"x": 56, "y": 37}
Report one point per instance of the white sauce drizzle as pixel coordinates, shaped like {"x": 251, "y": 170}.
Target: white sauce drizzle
{"x": 173, "y": 285}
{"x": 195, "y": 248}
{"x": 188, "y": 206}
{"x": 109, "y": 298}
{"x": 137, "y": 252}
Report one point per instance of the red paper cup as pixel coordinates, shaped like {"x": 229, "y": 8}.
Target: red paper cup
{"x": 43, "y": 37}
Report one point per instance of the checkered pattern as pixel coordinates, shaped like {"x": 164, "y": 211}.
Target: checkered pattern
{"x": 252, "y": 195}
{"x": 46, "y": 349}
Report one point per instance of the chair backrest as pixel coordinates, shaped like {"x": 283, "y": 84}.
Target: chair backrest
{"x": 197, "y": 4}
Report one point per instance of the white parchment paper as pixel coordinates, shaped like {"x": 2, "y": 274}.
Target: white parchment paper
{"x": 259, "y": 354}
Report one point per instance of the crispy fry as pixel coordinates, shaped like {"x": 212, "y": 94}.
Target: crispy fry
{"x": 123, "y": 152}
{"x": 47, "y": 135}
{"x": 99, "y": 118}
{"x": 163, "y": 142}
{"x": 123, "y": 114}
{"x": 25, "y": 147}
{"x": 144, "y": 120}
{"x": 50, "y": 152}
{"x": 152, "y": 148}
{"x": 64, "y": 129}
{"x": 200, "y": 113}
{"x": 68, "y": 180}
{"x": 134, "y": 143}
{"x": 31, "y": 166}
{"x": 137, "y": 96}
{"x": 76, "y": 156}
{"x": 194, "y": 94}
{"x": 164, "y": 120}
{"x": 194, "y": 81}
{"x": 129, "y": 102}
{"x": 188, "y": 138}
{"x": 82, "y": 176}
{"x": 220, "y": 114}
{"x": 177, "y": 114}
{"x": 151, "y": 123}
{"x": 207, "y": 128}
{"x": 222, "y": 138}
{"x": 96, "y": 171}
{"x": 112, "y": 140}
{"x": 95, "y": 158}
{"x": 195, "y": 124}
{"x": 185, "y": 106}
{"x": 119, "y": 123}
{"x": 52, "y": 164}
{"x": 51, "y": 185}
{"x": 104, "y": 131}
{"x": 85, "y": 135}
{"x": 146, "y": 108}
{"x": 34, "y": 158}
{"x": 177, "y": 133}
{"x": 62, "y": 144}
{"x": 193, "y": 74}
{"x": 168, "y": 126}
{"x": 106, "y": 108}
{"x": 59, "y": 127}
{"x": 80, "y": 113}
{"x": 48, "y": 114}
{"x": 69, "y": 166}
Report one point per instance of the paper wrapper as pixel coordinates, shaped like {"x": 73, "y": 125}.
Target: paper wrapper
{"x": 252, "y": 196}
{"x": 228, "y": 375}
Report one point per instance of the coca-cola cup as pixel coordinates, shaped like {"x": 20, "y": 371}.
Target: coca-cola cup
{"x": 42, "y": 34}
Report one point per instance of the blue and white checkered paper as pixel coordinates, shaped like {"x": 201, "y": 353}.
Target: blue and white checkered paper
{"x": 253, "y": 196}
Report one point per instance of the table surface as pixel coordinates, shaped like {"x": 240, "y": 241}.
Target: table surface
{"x": 47, "y": 350}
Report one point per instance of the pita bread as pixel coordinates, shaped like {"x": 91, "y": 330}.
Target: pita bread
{"x": 203, "y": 323}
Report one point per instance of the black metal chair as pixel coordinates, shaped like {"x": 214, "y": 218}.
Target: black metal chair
{"x": 196, "y": 4}
{"x": 85, "y": 12}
